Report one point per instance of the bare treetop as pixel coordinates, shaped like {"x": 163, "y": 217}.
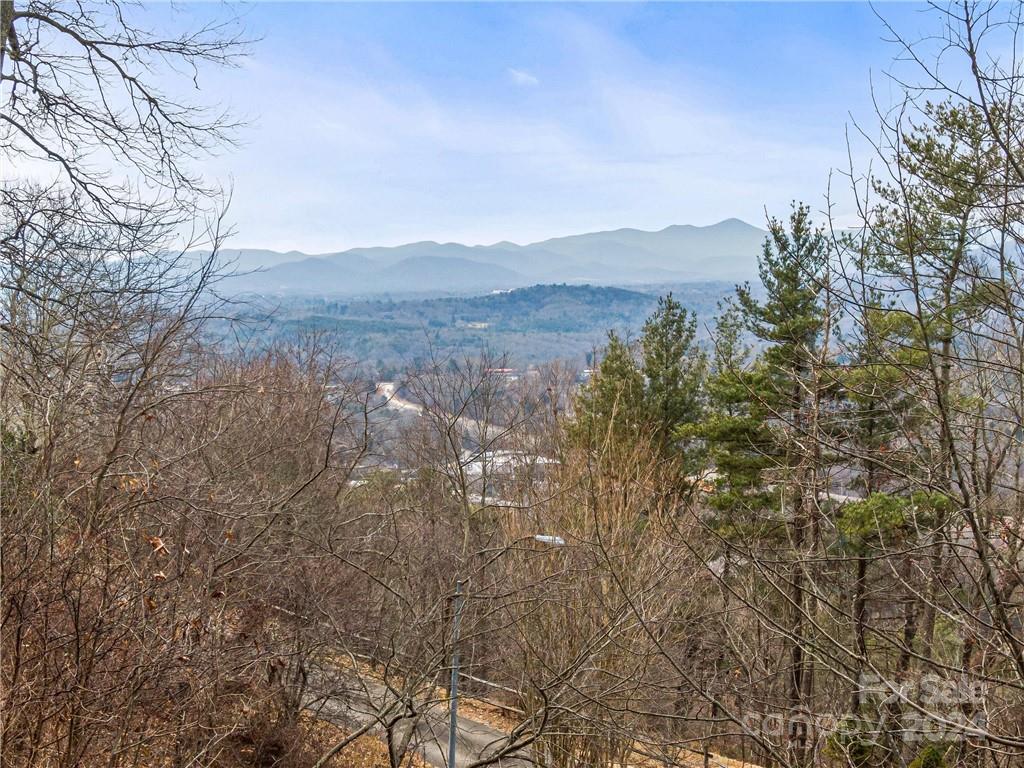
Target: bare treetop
{"x": 90, "y": 101}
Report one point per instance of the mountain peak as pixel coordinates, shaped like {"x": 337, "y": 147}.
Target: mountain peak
{"x": 732, "y": 223}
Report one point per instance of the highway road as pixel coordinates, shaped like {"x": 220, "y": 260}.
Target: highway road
{"x": 477, "y": 429}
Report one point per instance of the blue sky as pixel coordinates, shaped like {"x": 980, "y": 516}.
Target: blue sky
{"x": 376, "y": 124}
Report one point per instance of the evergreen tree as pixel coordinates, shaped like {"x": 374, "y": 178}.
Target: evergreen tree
{"x": 650, "y": 397}
{"x": 611, "y": 406}
{"x": 734, "y": 432}
{"x": 787, "y": 389}
{"x": 674, "y": 370}
{"x": 760, "y": 409}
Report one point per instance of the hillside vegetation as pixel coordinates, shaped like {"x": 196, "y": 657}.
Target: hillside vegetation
{"x": 797, "y": 542}
{"x": 536, "y": 324}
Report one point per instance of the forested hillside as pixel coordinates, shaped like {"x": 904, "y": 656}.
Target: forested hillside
{"x": 533, "y": 325}
{"x": 796, "y": 542}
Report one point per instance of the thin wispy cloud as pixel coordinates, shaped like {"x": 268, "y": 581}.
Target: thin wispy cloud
{"x": 391, "y": 136}
{"x": 522, "y": 78}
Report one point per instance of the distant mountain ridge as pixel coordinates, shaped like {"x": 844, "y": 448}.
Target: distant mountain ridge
{"x": 679, "y": 253}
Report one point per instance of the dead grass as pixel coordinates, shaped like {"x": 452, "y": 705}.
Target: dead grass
{"x": 480, "y": 711}
{"x": 365, "y": 752}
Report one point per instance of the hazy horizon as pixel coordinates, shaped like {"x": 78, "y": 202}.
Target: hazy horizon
{"x": 235, "y": 246}
{"x": 481, "y": 123}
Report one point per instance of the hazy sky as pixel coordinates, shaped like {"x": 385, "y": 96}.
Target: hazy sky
{"x": 387, "y": 123}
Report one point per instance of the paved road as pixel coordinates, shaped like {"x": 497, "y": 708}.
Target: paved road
{"x": 477, "y": 429}
{"x": 355, "y": 708}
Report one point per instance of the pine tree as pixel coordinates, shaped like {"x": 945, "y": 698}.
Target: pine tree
{"x": 789, "y": 322}
{"x": 760, "y": 410}
{"x": 674, "y": 370}
{"x": 652, "y": 397}
{"x": 610, "y": 408}
{"x": 734, "y": 433}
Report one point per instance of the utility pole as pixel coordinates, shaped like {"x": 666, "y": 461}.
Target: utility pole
{"x": 453, "y": 691}
{"x": 453, "y": 688}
